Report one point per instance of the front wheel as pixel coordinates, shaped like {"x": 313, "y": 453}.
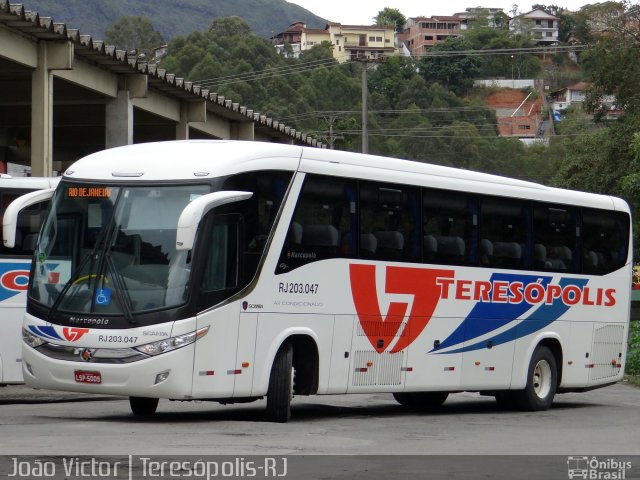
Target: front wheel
{"x": 143, "y": 406}
{"x": 280, "y": 389}
{"x": 542, "y": 380}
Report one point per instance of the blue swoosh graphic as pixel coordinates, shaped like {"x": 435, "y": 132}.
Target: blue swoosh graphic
{"x": 475, "y": 325}
{"x": 540, "y": 318}
{"x": 47, "y": 332}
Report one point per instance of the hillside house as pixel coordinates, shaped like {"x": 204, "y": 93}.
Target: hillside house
{"x": 422, "y": 33}
{"x": 575, "y": 95}
{"x": 518, "y": 114}
{"x": 349, "y": 41}
{"x": 541, "y": 26}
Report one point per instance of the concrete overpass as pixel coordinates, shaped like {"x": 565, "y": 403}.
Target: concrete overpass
{"x": 64, "y": 95}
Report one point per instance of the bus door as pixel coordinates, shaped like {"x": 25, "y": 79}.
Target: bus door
{"x": 220, "y": 278}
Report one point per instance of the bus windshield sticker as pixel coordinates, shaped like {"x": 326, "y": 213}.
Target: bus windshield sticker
{"x": 103, "y": 296}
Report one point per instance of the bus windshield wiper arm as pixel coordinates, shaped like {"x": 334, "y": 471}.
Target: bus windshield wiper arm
{"x": 99, "y": 245}
{"x": 76, "y": 273}
{"x": 123, "y": 297}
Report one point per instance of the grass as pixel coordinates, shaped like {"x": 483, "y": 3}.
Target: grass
{"x": 632, "y": 380}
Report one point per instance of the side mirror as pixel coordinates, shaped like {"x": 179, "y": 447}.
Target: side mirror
{"x": 193, "y": 213}
{"x": 10, "y": 218}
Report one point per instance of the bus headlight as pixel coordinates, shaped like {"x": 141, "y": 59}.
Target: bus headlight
{"x": 169, "y": 344}
{"x": 32, "y": 340}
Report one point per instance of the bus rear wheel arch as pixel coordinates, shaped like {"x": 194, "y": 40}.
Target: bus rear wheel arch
{"x": 542, "y": 381}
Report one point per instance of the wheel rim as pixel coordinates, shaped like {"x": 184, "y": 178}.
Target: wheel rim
{"x": 542, "y": 379}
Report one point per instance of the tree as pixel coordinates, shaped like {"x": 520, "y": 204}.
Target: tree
{"x": 613, "y": 61}
{"x": 456, "y": 72}
{"x": 522, "y": 66}
{"x": 230, "y": 27}
{"x": 391, "y": 16}
{"x": 134, "y": 33}
{"x": 390, "y": 77}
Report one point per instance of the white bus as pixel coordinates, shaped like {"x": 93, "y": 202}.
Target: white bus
{"x": 15, "y": 264}
{"x": 232, "y": 271}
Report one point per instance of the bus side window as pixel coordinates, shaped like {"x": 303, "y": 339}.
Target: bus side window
{"x": 389, "y": 229}
{"x": 448, "y": 227}
{"x": 504, "y": 234}
{"x": 554, "y": 238}
{"x": 323, "y": 224}
{"x": 605, "y": 237}
{"x": 259, "y": 213}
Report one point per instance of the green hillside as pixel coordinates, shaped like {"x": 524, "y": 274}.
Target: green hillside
{"x": 171, "y": 18}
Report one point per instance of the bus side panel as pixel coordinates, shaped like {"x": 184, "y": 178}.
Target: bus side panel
{"x": 245, "y": 358}
{"x": 215, "y": 355}
{"x": 14, "y": 277}
{"x": 375, "y": 366}
{"x": 487, "y": 363}
{"x": 427, "y": 368}
{"x": 338, "y": 378}
{"x": 607, "y": 353}
{"x": 11, "y": 317}
{"x": 575, "y": 373}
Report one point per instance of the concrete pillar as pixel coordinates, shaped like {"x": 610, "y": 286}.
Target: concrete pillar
{"x": 190, "y": 112}
{"x": 242, "y": 131}
{"x": 42, "y": 116}
{"x": 51, "y": 56}
{"x": 182, "y": 127}
{"x": 119, "y": 120}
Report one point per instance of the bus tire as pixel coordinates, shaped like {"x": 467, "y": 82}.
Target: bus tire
{"x": 143, "y": 406}
{"x": 542, "y": 380}
{"x": 280, "y": 389}
{"x": 421, "y": 400}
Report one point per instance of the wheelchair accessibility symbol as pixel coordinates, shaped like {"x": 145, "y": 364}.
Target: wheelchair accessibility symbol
{"x": 103, "y": 296}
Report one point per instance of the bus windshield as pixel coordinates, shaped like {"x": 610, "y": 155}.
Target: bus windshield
{"x": 112, "y": 249}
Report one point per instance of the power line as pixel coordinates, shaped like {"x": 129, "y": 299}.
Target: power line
{"x": 504, "y": 51}
{"x": 312, "y": 64}
{"x": 269, "y": 73}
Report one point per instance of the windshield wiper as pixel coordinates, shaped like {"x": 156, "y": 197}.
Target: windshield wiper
{"x": 76, "y": 273}
{"x": 123, "y": 297}
{"x": 99, "y": 245}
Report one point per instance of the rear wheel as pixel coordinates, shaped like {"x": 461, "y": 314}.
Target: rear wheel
{"x": 143, "y": 406}
{"x": 280, "y": 389}
{"x": 421, "y": 400}
{"x": 542, "y": 380}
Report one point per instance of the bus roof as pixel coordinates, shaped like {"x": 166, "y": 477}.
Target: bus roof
{"x": 193, "y": 159}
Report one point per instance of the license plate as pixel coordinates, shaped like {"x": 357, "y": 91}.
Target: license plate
{"x": 84, "y": 376}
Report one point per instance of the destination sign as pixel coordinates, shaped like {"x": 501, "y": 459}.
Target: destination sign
{"x": 89, "y": 192}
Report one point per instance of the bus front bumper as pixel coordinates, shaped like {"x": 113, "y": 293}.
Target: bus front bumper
{"x": 168, "y": 375}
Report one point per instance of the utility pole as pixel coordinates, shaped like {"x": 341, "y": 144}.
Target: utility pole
{"x": 331, "y": 119}
{"x": 365, "y": 96}
{"x": 365, "y": 108}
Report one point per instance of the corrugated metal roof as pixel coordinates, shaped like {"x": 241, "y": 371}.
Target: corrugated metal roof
{"x": 32, "y": 24}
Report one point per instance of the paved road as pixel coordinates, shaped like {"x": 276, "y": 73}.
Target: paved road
{"x": 601, "y": 422}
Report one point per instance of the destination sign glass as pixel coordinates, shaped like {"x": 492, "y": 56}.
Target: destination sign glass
{"x": 88, "y": 192}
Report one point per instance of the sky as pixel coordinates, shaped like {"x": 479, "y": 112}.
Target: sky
{"x": 362, "y": 12}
